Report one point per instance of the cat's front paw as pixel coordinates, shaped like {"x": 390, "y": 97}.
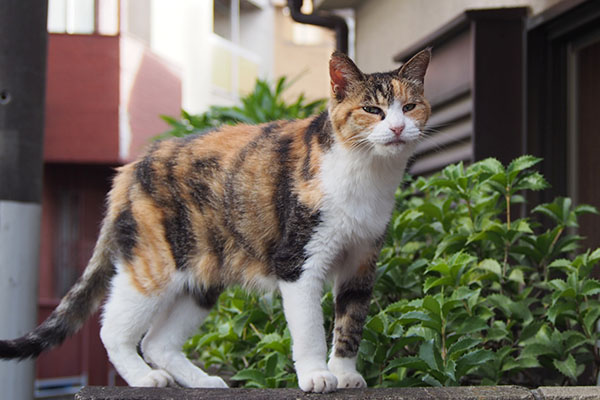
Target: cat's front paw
{"x": 154, "y": 378}
{"x": 318, "y": 381}
{"x": 201, "y": 381}
{"x": 347, "y": 380}
{"x": 213, "y": 382}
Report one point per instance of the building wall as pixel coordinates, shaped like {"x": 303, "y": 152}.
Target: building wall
{"x": 302, "y": 52}
{"x": 385, "y": 27}
{"x": 82, "y": 99}
{"x": 257, "y": 34}
{"x": 180, "y": 33}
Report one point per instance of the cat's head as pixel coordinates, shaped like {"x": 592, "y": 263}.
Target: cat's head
{"x": 382, "y": 112}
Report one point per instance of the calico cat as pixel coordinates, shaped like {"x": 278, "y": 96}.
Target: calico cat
{"x": 285, "y": 205}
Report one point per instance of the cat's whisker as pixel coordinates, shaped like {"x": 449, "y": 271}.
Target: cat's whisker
{"x": 362, "y": 143}
{"x": 440, "y": 125}
{"x": 437, "y": 146}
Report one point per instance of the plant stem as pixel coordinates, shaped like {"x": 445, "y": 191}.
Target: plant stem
{"x": 596, "y": 358}
{"x": 376, "y": 301}
{"x": 467, "y": 308}
{"x": 560, "y": 231}
{"x": 551, "y": 248}
{"x": 470, "y": 211}
{"x": 444, "y": 350}
{"x": 255, "y": 330}
{"x": 507, "y": 198}
{"x": 507, "y": 245}
{"x": 505, "y": 261}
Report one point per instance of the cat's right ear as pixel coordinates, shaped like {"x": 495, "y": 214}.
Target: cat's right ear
{"x": 343, "y": 73}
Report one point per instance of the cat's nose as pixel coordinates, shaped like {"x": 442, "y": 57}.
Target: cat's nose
{"x": 397, "y": 130}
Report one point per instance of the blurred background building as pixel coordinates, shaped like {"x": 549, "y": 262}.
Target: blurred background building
{"x": 508, "y": 77}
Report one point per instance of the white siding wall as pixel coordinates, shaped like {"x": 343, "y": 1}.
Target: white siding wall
{"x": 385, "y": 27}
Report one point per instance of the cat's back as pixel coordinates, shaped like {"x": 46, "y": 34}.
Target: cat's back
{"x": 254, "y": 158}
{"x": 237, "y": 193}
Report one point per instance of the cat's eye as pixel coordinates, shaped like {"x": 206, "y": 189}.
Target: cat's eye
{"x": 408, "y": 107}
{"x": 373, "y": 110}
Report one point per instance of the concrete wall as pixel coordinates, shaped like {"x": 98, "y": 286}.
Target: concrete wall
{"x": 302, "y": 51}
{"x": 385, "y": 27}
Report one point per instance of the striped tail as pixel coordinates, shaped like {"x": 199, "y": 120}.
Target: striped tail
{"x": 82, "y": 300}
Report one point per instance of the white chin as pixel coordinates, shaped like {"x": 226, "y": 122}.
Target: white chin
{"x": 394, "y": 149}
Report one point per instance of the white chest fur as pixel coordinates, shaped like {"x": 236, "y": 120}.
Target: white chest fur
{"x": 359, "y": 192}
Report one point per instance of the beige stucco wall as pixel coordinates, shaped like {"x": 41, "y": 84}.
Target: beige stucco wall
{"x": 302, "y": 52}
{"x": 385, "y": 27}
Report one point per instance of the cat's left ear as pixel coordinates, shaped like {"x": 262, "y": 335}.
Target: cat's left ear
{"x": 343, "y": 73}
{"x": 415, "y": 68}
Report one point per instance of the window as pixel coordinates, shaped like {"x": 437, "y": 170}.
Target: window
{"x": 223, "y": 19}
{"x": 83, "y": 16}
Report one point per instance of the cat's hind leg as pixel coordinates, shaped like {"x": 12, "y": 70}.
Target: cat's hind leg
{"x": 162, "y": 345}
{"x": 127, "y": 316}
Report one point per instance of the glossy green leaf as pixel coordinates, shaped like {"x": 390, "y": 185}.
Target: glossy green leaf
{"x": 567, "y": 367}
{"x": 250, "y": 375}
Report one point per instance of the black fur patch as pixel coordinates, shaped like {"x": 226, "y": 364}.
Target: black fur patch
{"x": 202, "y": 171}
{"x": 217, "y": 244}
{"x": 179, "y": 234}
{"x": 144, "y": 171}
{"x": 355, "y": 295}
{"x": 351, "y": 309}
{"x": 296, "y": 221}
{"x": 32, "y": 344}
{"x": 205, "y": 297}
{"x": 126, "y": 232}
{"x": 321, "y": 128}
{"x": 381, "y": 83}
{"x": 176, "y": 215}
{"x": 176, "y": 220}
{"x": 21, "y": 348}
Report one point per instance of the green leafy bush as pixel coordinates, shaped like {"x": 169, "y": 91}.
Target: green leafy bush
{"x": 477, "y": 297}
{"x": 246, "y": 333}
{"x": 265, "y": 103}
{"x": 465, "y": 293}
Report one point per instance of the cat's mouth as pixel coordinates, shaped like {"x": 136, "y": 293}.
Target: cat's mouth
{"x": 395, "y": 142}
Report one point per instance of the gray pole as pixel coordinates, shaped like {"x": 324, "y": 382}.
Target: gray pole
{"x": 23, "y": 47}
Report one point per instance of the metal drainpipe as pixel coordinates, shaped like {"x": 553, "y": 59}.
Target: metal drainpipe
{"x": 334, "y": 22}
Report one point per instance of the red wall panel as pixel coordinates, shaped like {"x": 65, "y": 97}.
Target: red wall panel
{"x": 82, "y": 99}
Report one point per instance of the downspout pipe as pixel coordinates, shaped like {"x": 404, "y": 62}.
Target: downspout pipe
{"x": 331, "y": 21}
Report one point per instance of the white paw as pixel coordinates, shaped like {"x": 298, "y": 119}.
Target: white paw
{"x": 211, "y": 382}
{"x": 154, "y": 378}
{"x": 318, "y": 381}
{"x": 347, "y": 380}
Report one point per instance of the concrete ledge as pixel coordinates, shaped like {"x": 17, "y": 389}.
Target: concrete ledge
{"x": 466, "y": 393}
{"x": 567, "y": 392}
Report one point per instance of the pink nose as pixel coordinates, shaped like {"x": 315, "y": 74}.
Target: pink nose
{"x": 397, "y": 130}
